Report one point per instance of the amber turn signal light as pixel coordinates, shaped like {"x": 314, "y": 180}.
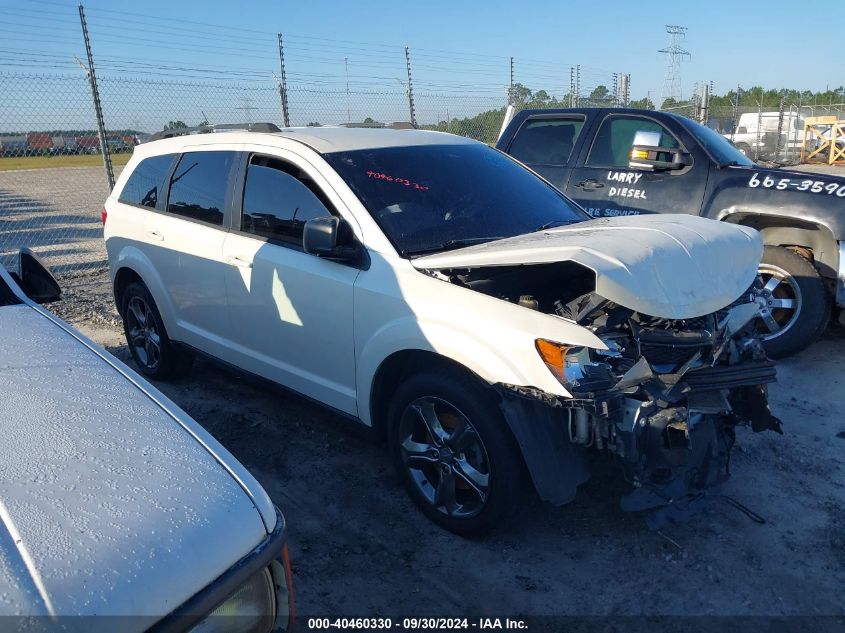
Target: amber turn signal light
{"x": 553, "y": 354}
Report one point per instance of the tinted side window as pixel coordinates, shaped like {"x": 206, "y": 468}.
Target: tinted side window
{"x": 146, "y": 183}
{"x": 612, "y": 145}
{"x": 198, "y": 186}
{"x": 278, "y": 200}
{"x": 546, "y": 142}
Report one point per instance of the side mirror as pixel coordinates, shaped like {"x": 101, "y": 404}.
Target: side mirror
{"x": 647, "y": 154}
{"x": 331, "y": 238}
{"x": 658, "y": 158}
{"x": 36, "y": 280}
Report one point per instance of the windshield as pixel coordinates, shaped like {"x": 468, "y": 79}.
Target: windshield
{"x": 429, "y": 198}
{"x": 720, "y": 148}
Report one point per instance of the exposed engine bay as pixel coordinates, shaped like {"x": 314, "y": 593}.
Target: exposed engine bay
{"x": 664, "y": 398}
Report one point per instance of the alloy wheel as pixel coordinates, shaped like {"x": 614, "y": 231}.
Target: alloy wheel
{"x": 142, "y": 333}
{"x": 779, "y": 299}
{"x": 444, "y": 457}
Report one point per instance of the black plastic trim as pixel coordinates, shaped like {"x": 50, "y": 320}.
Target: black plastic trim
{"x": 269, "y": 382}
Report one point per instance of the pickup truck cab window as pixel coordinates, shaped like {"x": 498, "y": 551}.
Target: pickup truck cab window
{"x": 547, "y": 141}
{"x": 612, "y": 144}
{"x": 278, "y": 200}
{"x": 146, "y": 184}
{"x": 198, "y": 186}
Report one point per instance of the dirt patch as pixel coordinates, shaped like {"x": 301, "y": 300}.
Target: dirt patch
{"x": 360, "y": 547}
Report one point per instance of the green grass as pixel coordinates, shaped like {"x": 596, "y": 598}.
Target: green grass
{"x": 45, "y": 162}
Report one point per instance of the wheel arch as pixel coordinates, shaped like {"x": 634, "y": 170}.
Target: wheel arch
{"x": 132, "y": 265}
{"x": 398, "y": 366}
{"x": 122, "y": 278}
{"x": 790, "y": 232}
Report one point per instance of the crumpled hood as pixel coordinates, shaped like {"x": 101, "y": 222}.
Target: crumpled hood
{"x": 664, "y": 265}
{"x": 107, "y": 505}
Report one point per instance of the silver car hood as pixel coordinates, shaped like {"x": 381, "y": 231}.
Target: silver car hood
{"x": 664, "y": 265}
{"x": 109, "y": 504}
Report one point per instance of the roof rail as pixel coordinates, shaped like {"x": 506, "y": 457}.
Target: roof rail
{"x": 395, "y": 125}
{"x": 206, "y": 129}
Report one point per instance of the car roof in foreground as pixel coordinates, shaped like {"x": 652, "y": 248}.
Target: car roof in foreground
{"x": 325, "y": 139}
{"x": 104, "y": 492}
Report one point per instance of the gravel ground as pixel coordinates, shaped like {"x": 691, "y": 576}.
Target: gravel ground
{"x": 361, "y": 548}
{"x": 56, "y": 212}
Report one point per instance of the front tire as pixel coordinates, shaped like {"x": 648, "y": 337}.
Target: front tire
{"x": 794, "y": 303}
{"x": 151, "y": 349}
{"x": 454, "y": 452}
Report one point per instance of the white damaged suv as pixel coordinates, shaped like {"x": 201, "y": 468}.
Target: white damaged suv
{"x": 433, "y": 288}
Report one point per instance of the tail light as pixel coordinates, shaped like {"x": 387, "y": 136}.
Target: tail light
{"x": 104, "y": 215}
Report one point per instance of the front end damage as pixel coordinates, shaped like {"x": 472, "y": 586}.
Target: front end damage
{"x": 664, "y": 398}
{"x": 676, "y": 366}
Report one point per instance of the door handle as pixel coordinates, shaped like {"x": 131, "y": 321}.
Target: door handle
{"x": 590, "y": 185}
{"x": 234, "y": 260}
{"x": 158, "y": 237}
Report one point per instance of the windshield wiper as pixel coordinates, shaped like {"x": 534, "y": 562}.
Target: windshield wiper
{"x": 553, "y": 224}
{"x": 450, "y": 244}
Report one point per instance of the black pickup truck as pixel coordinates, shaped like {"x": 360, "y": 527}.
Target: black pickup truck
{"x": 624, "y": 161}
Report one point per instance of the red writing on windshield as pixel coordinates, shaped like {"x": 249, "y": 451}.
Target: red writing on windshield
{"x": 377, "y": 175}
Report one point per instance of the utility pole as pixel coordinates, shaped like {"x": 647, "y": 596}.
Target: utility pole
{"x": 283, "y": 85}
{"x": 510, "y": 90}
{"x": 675, "y": 54}
{"x": 624, "y": 89}
{"x": 346, "y": 71}
{"x": 247, "y": 107}
{"x": 704, "y": 104}
{"x": 410, "y": 89}
{"x": 616, "y": 89}
{"x": 95, "y": 95}
{"x": 571, "y": 87}
{"x": 577, "y": 85}
{"x": 737, "y": 98}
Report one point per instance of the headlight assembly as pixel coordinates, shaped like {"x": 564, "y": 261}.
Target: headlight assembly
{"x": 251, "y": 609}
{"x": 565, "y": 362}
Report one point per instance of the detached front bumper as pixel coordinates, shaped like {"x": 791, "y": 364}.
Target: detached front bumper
{"x": 671, "y": 451}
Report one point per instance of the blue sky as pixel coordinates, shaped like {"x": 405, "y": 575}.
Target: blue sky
{"x": 455, "y": 46}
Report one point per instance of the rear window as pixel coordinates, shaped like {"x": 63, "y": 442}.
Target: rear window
{"x": 546, "y": 141}
{"x": 146, "y": 183}
{"x": 198, "y": 186}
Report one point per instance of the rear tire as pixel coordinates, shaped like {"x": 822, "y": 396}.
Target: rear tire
{"x": 795, "y": 305}
{"x": 454, "y": 452}
{"x": 152, "y": 350}
{"x": 746, "y": 150}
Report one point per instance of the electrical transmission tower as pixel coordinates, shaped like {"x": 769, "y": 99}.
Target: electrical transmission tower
{"x": 675, "y": 54}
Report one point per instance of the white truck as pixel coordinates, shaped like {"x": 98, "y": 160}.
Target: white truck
{"x": 756, "y": 134}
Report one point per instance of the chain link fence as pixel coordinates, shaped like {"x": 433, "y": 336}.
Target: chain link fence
{"x": 52, "y": 179}
{"x": 53, "y": 182}
{"x": 46, "y": 121}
